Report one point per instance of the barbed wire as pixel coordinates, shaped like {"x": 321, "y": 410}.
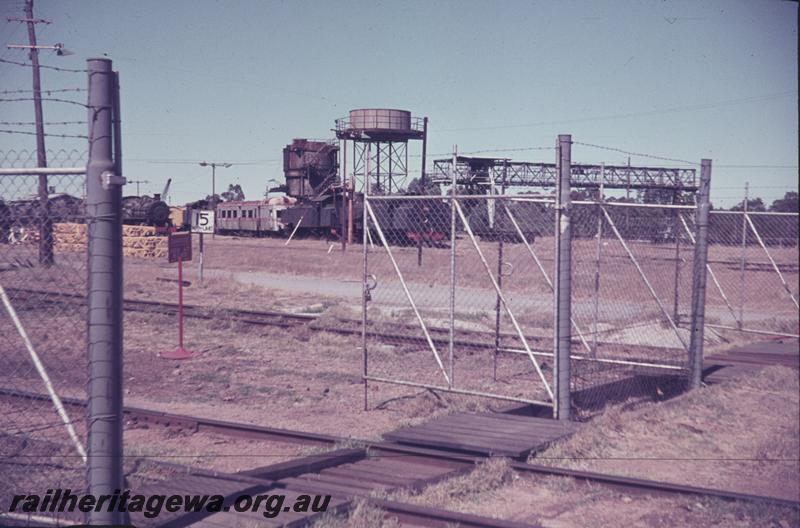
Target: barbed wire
{"x": 51, "y": 99}
{"x": 56, "y": 90}
{"x": 56, "y": 68}
{"x": 33, "y": 123}
{"x": 26, "y": 133}
{"x": 637, "y": 154}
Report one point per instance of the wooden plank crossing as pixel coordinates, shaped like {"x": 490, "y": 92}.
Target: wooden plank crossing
{"x": 784, "y": 351}
{"x": 355, "y": 475}
{"x": 485, "y": 433}
{"x": 747, "y": 359}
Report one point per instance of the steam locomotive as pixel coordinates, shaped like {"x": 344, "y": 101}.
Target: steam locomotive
{"x": 24, "y": 213}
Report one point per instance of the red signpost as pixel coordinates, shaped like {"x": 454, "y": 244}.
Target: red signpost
{"x": 179, "y": 249}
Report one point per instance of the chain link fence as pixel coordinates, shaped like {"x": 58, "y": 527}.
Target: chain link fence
{"x": 43, "y": 324}
{"x": 753, "y": 272}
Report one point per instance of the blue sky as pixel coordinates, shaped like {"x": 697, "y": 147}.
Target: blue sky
{"x": 237, "y": 80}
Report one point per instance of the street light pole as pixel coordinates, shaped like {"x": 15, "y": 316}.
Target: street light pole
{"x": 137, "y": 182}
{"x": 214, "y": 166}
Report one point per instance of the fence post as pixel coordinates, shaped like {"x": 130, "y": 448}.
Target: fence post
{"x": 563, "y": 280}
{"x": 742, "y": 262}
{"x": 600, "y": 199}
{"x": 699, "y": 277}
{"x": 104, "y": 226}
{"x": 452, "y": 306}
{"x": 365, "y": 291}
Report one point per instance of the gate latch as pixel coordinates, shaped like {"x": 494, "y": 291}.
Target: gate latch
{"x": 369, "y": 287}
{"x": 108, "y": 178}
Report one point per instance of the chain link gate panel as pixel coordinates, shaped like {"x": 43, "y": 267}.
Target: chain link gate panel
{"x": 446, "y": 285}
{"x": 632, "y": 291}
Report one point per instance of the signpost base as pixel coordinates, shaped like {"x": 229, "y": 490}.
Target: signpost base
{"x": 178, "y": 353}
{"x": 180, "y": 248}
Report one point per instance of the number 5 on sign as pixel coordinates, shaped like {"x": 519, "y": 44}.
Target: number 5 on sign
{"x": 202, "y": 221}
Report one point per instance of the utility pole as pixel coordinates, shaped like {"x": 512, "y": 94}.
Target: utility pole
{"x": 45, "y": 223}
{"x": 137, "y": 182}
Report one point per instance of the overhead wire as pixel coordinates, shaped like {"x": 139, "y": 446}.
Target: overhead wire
{"x": 637, "y": 154}
{"x": 677, "y": 109}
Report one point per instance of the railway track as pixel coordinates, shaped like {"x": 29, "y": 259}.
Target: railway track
{"x": 395, "y": 333}
{"x": 351, "y": 466}
{"x": 33, "y": 299}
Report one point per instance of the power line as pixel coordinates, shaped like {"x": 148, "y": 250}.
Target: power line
{"x": 687, "y": 108}
{"x": 483, "y": 151}
{"x": 757, "y": 166}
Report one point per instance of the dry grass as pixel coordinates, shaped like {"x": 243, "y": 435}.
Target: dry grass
{"x": 361, "y": 515}
{"x": 453, "y": 493}
{"x": 743, "y": 435}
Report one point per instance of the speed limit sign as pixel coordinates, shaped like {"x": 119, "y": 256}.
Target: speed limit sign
{"x": 202, "y": 221}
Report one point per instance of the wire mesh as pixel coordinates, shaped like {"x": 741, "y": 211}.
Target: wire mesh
{"x": 631, "y": 291}
{"x": 42, "y": 326}
{"x": 753, "y": 272}
{"x": 425, "y": 255}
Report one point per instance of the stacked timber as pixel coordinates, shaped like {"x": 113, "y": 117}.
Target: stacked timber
{"x": 137, "y": 241}
{"x": 69, "y": 237}
{"x": 142, "y": 241}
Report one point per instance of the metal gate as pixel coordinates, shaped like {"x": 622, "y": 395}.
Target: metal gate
{"x": 448, "y": 281}
{"x": 532, "y": 299}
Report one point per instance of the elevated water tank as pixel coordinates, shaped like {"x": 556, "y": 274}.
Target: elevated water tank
{"x": 379, "y": 124}
{"x": 380, "y": 119}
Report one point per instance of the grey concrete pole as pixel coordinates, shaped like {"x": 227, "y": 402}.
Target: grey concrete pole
{"x": 563, "y": 281}
{"x": 699, "y": 276}
{"x": 104, "y": 219}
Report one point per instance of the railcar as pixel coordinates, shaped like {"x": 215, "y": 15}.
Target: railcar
{"x": 255, "y": 217}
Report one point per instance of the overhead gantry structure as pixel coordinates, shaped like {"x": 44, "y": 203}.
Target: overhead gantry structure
{"x": 472, "y": 171}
